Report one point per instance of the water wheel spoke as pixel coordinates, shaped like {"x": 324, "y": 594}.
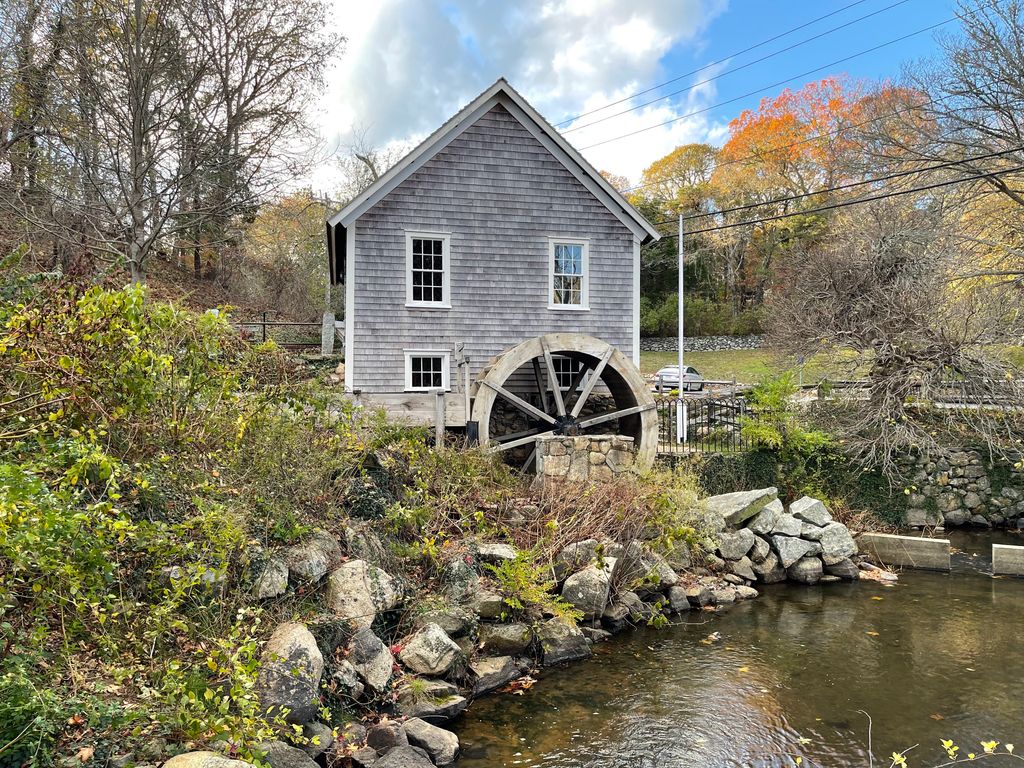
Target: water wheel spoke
{"x": 507, "y": 446}
{"x": 553, "y": 379}
{"x": 592, "y": 382}
{"x": 541, "y": 390}
{"x": 575, "y": 383}
{"x": 530, "y": 459}
{"x": 611, "y": 416}
{"x": 519, "y": 403}
{"x": 533, "y": 431}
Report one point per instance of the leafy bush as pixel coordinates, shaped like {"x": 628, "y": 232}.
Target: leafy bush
{"x": 703, "y": 317}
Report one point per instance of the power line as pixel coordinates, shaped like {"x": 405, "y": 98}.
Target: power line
{"x": 773, "y": 85}
{"x": 846, "y": 203}
{"x": 842, "y": 187}
{"x": 712, "y": 64}
{"x": 734, "y": 69}
{"x": 783, "y": 147}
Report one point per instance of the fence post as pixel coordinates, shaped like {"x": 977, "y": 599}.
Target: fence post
{"x": 439, "y": 419}
{"x": 264, "y": 326}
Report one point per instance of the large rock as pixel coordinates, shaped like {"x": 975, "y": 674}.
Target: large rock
{"x": 678, "y": 602}
{"x": 764, "y": 521}
{"x": 347, "y": 681}
{"x": 806, "y": 570}
{"x": 290, "y": 671}
{"x": 733, "y": 546}
{"x": 810, "y": 511}
{"x": 319, "y": 738}
{"x": 460, "y": 578}
{"x": 280, "y": 755}
{"x": 561, "y": 642}
{"x": 743, "y": 568}
{"x": 760, "y": 550}
{"x": 430, "y": 652}
{"x": 735, "y": 508}
{"x": 432, "y": 700}
{"x": 844, "y": 569}
{"x": 406, "y": 756}
{"x": 385, "y": 736}
{"x": 574, "y": 557}
{"x": 488, "y": 605}
{"x": 787, "y": 525}
{"x": 836, "y": 543}
{"x": 271, "y": 579}
{"x": 357, "y": 590}
{"x": 494, "y": 672}
{"x": 637, "y": 564}
{"x": 587, "y": 590}
{"x": 790, "y": 550}
{"x": 440, "y": 745}
{"x": 456, "y": 622}
{"x": 505, "y": 639}
{"x": 371, "y": 659}
{"x": 494, "y": 552}
{"x": 313, "y": 557}
{"x": 204, "y": 759}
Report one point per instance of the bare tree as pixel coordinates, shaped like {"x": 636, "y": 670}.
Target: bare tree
{"x": 362, "y": 163}
{"x": 883, "y": 298}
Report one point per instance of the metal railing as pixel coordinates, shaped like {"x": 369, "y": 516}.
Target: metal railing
{"x": 703, "y": 425}
{"x": 286, "y": 333}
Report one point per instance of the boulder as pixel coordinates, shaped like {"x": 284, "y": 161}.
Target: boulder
{"x": 699, "y": 595}
{"x": 488, "y": 605}
{"x": 204, "y": 759}
{"x": 764, "y": 521}
{"x": 811, "y": 532}
{"x": 733, "y": 546}
{"x": 743, "y": 568}
{"x": 440, "y": 745}
{"x": 460, "y": 578}
{"x": 636, "y": 563}
{"x": 313, "y": 557}
{"x": 456, "y": 622}
{"x": 735, "y": 508}
{"x": 587, "y": 590}
{"x": 494, "y": 672}
{"x": 272, "y": 579}
{"x": 280, "y": 755}
{"x": 347, "y": 681}
{"x": 505, "y": 639}
{"x": 723, "y": 595}
{"x": 595, "y": 635}
{"x": 806, "y": 570}
{"x": 432, "y": 700}
{"x": 769, "y": 571}
{"x": 371, "y": 659}
{"x": 430, "y": 652}
{"x": 290, "y": 671}
{"x": 561, "y": 642}
{"x": 810, "y": 511}
{"x": 844, "y": 569}
{"x": 364, "y": 757}
{"x": 362, "y": 543}
{"x": 790, "y": 550}
{"x": 836, "y": 543}
{"x": 760, "y": 550}
{"x": 385, "y": 736}
{"x": 787, "y": 525}
{"x": 319, "y": 738}
{"x": 574, "y": 557}
{"x": 743, "y": 592}
{"x": 406, "y": 756}
{"x": 678, "y": 602}
{"x": 494, "y": 552}
{"x": 357, "y": 590}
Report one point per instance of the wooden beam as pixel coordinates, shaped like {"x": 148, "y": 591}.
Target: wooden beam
{"x": 519, "y": 403}
{"x": 615, "y": 415}
{"x": 522, "y": 441}
{"x": 540, "y": 384}
{"x": 594, "y": 378}
{"x": 553, "y": 378}
{"x": 439, "y": 419}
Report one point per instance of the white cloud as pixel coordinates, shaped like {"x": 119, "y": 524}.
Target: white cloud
{"x": 410, "y": 64}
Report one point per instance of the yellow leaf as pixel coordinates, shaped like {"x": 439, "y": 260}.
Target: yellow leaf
{"x": 876, "y": 597}
{"x": 873, "y": 634}
{"x": 744, "y": 669}
{"x": 1009, "y": 748}
{"x": 989, "y": 746}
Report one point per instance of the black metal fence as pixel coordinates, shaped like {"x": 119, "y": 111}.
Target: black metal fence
{"x": 703, "y": 425}
{"x": 289, "y": 334}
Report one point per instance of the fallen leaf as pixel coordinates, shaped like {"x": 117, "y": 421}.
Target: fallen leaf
{"x": 936, "y": 716}
{"x": 876, "y": 597}
{"x": 85, "y": 754}
{"x": 744, "y": 669}
{"x": 873, "y": 634}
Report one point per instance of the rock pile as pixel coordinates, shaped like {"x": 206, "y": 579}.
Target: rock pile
{"x": 758, "y": 540}
{"x": 700, "y": 343}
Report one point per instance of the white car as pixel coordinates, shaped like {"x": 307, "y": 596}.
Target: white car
{"x": 668, "y": 378}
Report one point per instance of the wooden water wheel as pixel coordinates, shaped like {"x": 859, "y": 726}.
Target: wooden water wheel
{"x": 563, "y": 384}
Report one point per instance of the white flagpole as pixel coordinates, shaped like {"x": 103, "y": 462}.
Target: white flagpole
{"x": 680, "y": 407}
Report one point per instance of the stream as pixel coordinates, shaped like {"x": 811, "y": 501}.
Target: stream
{"x": 937, "y": 656}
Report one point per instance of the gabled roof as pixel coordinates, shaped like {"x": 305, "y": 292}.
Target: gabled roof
{"x": 500, "y": 93}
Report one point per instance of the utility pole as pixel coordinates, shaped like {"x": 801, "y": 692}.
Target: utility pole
{"x": 681, "y": 417}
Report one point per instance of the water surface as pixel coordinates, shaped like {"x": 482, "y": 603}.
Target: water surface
{"x": 937, "y": 656}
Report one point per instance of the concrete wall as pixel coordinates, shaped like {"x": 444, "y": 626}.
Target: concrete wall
{"x": 907, "y": 551}
{"x": 1007, "y": 560}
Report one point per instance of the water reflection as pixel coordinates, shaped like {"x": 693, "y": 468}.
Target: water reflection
{"x": 935, "y": 657}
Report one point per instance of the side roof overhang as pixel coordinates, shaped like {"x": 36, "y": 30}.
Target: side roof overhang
{"x": 504, "y": 94}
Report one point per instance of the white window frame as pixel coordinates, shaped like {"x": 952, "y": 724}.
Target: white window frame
{"x": 446, "y": 368}
{"x": 584, "y": 306}
{"x": 446, "y": 263}
{"x": 555, "y": 360}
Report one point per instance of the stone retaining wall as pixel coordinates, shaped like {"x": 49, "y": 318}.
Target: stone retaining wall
{"x": 583, "y": 458}
{"x": 700, "y": 343}
{"x": 959, "y": 486}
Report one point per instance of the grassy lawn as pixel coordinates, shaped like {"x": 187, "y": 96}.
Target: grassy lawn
{"x": 747, "y": 366}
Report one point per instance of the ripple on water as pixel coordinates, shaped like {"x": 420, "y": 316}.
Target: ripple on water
{"x": 935, "y": 657}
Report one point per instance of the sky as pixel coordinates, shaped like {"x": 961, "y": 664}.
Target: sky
{"x": 408, "y": 65}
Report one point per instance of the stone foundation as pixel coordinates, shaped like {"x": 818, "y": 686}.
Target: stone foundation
{"x": 583, "y": 458}
{"x": 958, "y": 486}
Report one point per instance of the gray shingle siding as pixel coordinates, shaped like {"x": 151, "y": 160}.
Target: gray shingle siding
{"x": 500, "y": 194}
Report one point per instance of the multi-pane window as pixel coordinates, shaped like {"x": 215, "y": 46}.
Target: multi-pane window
{"x": 568, "y": 274}
{"x": 565, "y": 370}
{"x": 426, "y": 371}
{"x": 427, "y": 258}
